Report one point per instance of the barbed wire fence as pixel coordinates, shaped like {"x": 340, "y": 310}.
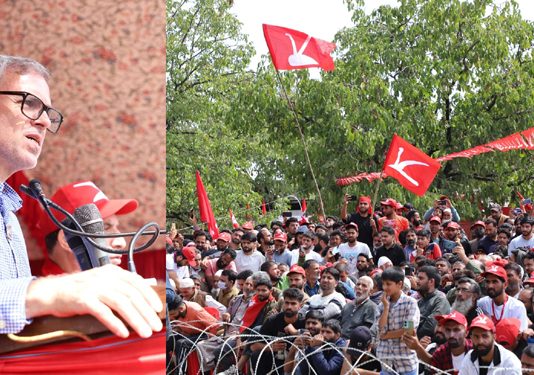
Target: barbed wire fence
{"x": 180, "y": 365}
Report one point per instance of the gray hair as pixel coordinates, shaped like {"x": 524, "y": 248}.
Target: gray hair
{"x": 262, "y": 278}
{"x": 474, "y": 286}
{"x": 21, "y": 65}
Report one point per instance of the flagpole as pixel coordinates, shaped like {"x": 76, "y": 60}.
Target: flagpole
{"x": 375, "y": 195}
{"x": 292, "y": 108}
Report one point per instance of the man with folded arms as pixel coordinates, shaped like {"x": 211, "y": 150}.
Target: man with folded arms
{"x": 26, "y": 114}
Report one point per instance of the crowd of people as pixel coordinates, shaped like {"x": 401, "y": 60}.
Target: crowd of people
{"x": 390, "y": 291}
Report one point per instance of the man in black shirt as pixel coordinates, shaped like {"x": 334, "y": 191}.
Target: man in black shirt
{"x": 390, "y": 248}
{"x": 286, "y": 323}
{"x": 365, "y": 221}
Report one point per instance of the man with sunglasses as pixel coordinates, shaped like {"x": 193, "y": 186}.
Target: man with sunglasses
{"x": 26, "y": 114}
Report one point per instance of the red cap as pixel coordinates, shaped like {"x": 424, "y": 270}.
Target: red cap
{"x": 389, "y": 202}
{"x": 496, "y": 270}
{"x": 435, "y": 218}
{"x": 189, "y": 253}
{"x": 484, "y": 322}
{"x": 295, "y": 268}
{"x": 225, "y": 236}
{"x": 480, "y": 222}
{"x": 399, "y": 206}
{"x": 530, "y": 280}
{"x": 248, "y": 225}
{"x": 507, "y": 330}
{"x": 280, "y": 236}
{"x": 453, "y": 224}
{"x": 454, "y": 316}
{"x": 78, "y": 194}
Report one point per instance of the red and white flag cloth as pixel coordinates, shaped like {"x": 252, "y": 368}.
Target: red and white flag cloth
{"x": 235, "y": 224}
{"x": 303, "y": 206}
{"x": 204, "y": 206}
{"x": 414, "y": 169}
{"x": 291, "y": 49}
{"x": 263, "y": 208}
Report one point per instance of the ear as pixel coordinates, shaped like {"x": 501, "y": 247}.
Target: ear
{"x": 61, "y": 240}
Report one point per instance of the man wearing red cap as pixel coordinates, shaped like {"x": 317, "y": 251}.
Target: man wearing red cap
{"x": 391, "y": 219}
{"x": 362, "y": 218}
{"x": 451, "y": 354}
{"x": 497, "y": 305}
{"x": 453, "y": 235}
{"x": 60, "y": 258}
{"x": 487, "y": 357}
{"x": 280, "y": 253}
{"x": 26, "y": 115}
{"x": 507, "y": 334}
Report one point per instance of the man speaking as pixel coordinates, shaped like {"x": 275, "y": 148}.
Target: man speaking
{"x": 26, "y": 114}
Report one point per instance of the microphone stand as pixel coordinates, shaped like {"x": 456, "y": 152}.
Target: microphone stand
{"x": 35, "y": 191}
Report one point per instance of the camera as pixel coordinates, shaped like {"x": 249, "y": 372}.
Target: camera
{"x": 352, "y": 198}
{"x": 442, "y": 202}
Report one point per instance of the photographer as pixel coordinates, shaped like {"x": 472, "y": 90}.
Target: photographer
{"x": 439, "y": 206}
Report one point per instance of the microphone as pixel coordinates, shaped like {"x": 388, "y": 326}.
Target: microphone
{"x": 90, "y": 220}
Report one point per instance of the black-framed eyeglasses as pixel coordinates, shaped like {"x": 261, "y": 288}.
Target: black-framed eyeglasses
{"x": 32, "y": 107}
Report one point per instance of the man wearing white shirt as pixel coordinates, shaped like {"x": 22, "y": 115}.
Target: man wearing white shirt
{"x": 497, "y": 304}
{"x": 249, "y": 258}
{"x": 352, "y": 248}
{"x": 526, "y": 239}
{"x": 306, "y": 252}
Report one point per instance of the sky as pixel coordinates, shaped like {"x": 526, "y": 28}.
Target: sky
{"x": 320, "y": 18}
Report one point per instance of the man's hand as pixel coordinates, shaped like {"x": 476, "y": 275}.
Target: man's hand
{"x": 410, "y": 341}
{"x": 278, "y": 345}
{"x": 291, "y": 330}
{"x": 225, "y": 317}
{"x": 317, "y": 340}
{"x": 98, "y": 292}
{"x": 425, "y": 341}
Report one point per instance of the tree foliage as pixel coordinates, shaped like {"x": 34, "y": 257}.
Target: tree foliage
{"x": 446, "y": 75}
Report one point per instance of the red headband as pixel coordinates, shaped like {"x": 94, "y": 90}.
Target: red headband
{"x": 365, "y": 199}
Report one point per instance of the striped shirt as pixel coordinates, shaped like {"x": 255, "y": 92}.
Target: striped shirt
{"x": 15, "y": 274}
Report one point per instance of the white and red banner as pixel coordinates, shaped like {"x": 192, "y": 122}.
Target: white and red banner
{"x": 414, "y": 169}
{"x": 204, "y": 206}
{"x": 291, "y": 49}
{"x": 523, "y": 140}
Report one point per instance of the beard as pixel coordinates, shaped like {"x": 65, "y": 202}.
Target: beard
{"x": 463, "y": 307}
{"x": 481, "y": 350}
{"x": 416, "y": 223}
{"x": 439, "y": 339}
{"x": 263, "y": 298}
{"x": 410, "y": 242}
{"x": 453, "y": 343}
{"x": 360, "y": 298}
{"x": 290, "y": 314}
{"x": 492, "y": 293}
{"x": 220, "y": 264}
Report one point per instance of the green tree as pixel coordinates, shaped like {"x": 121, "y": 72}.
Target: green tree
{"x": 444, "y": 74}
{"x": 207, "y": 56}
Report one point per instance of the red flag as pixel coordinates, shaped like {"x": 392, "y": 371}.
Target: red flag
{"x": 263, "y": 208}
{"x": 303, "y": 207}
{"x": 204, "y": 206}
{"x": 414, "y": 169}
{"x": 235, "y": 224}
{"x": 292, "y": 49}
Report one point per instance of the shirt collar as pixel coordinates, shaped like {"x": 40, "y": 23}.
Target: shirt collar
{"x": 9, "y": 199}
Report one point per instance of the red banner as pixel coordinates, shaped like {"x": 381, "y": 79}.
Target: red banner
{"x": 204, "y": 206}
